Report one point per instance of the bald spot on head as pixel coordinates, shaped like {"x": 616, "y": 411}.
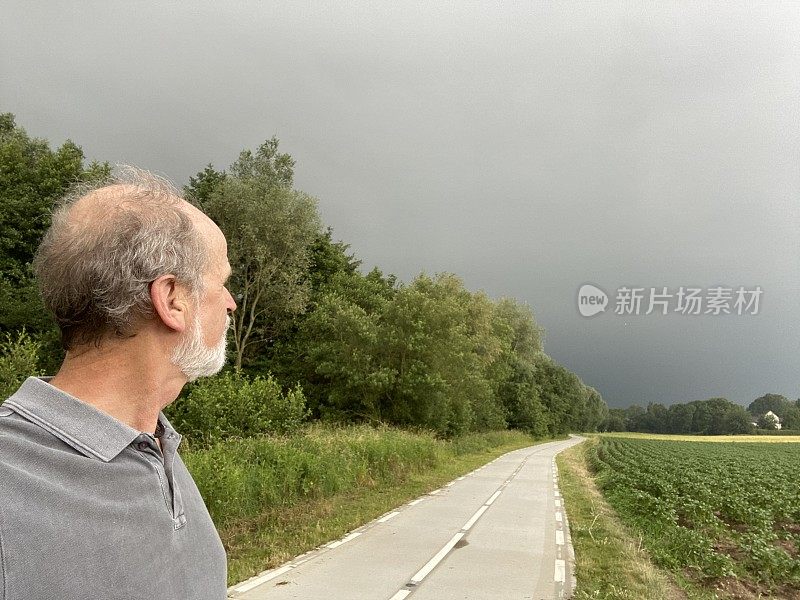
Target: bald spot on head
{"x": 102, "y": 203}
{"x": 100, "y": 206}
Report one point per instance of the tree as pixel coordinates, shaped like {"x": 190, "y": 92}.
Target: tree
{"x": 32, "y": 178}
{"x": 596, "y": 410}
{"x": 634, "y": 418}
{"x": 791, "y": 419}
{"x": 440, "y": 341}
{"x": 562, "y": 393}
{"x": 202, "y": 186}
{"x": 270, "y": 228}
{"x": 680, "y": 418}
{"x": 329, "y": 259}
{"x": 736, "y": 420}
{"x": 655, "y": 418}
{"x": 513, "y": 374}
{"x": 338, "y": 351}
{"x": 776, "y": 403}
{"x": 614, "y": 421}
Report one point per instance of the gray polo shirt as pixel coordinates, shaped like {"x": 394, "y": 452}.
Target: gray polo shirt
{"x": 91, "y": 508}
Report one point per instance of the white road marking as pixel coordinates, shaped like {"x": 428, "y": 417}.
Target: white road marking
{"x": 246, "y": 587}
{"x": 561, "y": 571}
{"x": 344, "y": 540}
{"x": 493, "y": 498}
{"x": 556, "y": 493}
{"x": 387, "y": 517}
{"x": 559, "y": 537}
{"x": 558, "y": 503}
{"x": 475, "y": 517}
{"x": 434, "y": 492}
{"x": 431, "y": 564}
{"x": 417, "y": 501}
{"x": 459, "y": 478}
{"x": 558, "y": 517}
{"x": 400, "y": 595}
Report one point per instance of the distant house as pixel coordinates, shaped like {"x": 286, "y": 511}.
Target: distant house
{"x": 769, "y": 421}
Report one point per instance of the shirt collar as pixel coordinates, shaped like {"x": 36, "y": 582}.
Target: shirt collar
{"x": 89, "y": 430}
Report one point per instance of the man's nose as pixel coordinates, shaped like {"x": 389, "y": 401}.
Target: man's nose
{"x": 231, "y": 302}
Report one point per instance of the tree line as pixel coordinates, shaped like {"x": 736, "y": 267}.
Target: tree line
{"x": 353, "y": 346}
{"x": 715, "y": 416}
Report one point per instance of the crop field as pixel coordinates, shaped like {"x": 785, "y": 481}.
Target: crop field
{"x": 722, "y": 515}
{"x": 731, "y": 439}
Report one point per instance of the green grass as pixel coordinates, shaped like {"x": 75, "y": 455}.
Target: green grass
{"x": 273, "y": 498}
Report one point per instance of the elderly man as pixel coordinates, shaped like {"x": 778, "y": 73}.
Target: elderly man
{"x": 95, "y": 502}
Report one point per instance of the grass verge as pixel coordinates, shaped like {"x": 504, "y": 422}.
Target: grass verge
{"x": 610, "y": 562}
{"x": 274, "y": 498}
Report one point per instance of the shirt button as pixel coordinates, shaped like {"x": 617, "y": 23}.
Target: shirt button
{"x": 142, "y": 446}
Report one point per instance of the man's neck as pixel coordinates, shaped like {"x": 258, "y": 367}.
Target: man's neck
{"x": 123, "y": 379}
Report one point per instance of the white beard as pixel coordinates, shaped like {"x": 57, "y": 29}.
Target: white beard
{"x": 194, "y": 358}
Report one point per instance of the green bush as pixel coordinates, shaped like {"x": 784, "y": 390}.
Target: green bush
{"x": 232, "y": 405}
{"x": 19, "y": 357}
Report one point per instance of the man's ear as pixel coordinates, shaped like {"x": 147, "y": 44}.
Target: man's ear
{"x": 170, "y": 302}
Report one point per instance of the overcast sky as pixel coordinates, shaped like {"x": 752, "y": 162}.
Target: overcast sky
{"x": 528, "y": 147}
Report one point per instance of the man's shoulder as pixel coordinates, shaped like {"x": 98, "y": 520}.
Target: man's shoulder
{"x": 22, "y": 441}
{"x": 16, "y": 430}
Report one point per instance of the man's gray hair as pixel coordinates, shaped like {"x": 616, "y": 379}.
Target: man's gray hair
{"x": 95, "y": 267}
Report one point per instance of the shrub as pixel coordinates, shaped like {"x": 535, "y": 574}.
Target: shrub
{"x": 231, "y": 405}
{"x": 18, "y": 360}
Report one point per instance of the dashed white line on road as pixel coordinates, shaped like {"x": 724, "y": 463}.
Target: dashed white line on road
{"x": 559, "y": 537}
{"x": 493, "y": 498}
{"x": 558, "y": 503}
{"x": 387, "y": 517}
{"x": 400, "y": 595}
{"x": 431, "y": 564}
{"x": 246, "y": 587}
{"x": 561, "y": 571}
{"x": 475, "y": 517}
{"x": 344, "y": 540}
{"x": 558, "y": 517}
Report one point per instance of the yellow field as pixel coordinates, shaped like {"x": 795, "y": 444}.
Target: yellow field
{"x": 706, "y": 438}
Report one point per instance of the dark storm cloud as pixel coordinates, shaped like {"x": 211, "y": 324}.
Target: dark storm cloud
{"x": 528, "y": 148}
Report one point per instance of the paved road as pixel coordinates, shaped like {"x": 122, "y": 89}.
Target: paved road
{"x": 498, "y": 533}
